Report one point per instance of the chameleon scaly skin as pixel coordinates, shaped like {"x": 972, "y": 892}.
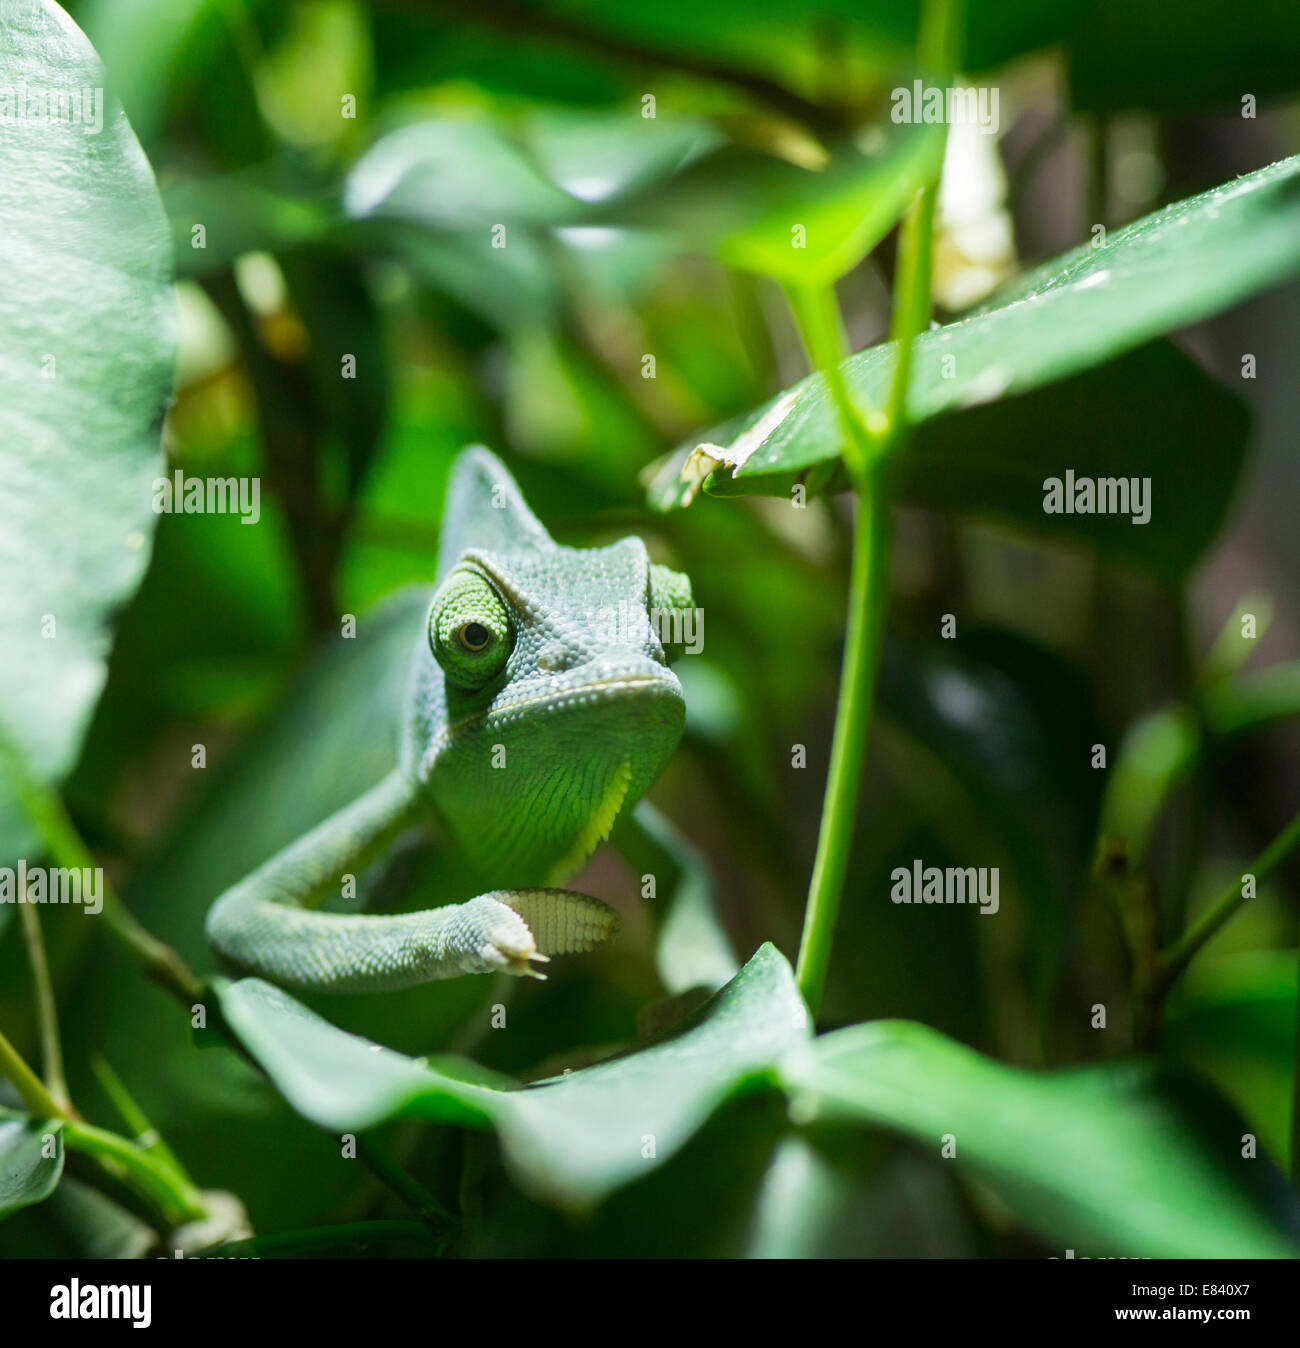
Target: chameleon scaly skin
{"x": 540, "y": 706}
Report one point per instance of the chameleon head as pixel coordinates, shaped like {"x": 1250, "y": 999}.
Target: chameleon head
{"x": 542, "y": 701}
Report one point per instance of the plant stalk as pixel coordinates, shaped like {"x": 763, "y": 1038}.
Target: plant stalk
{"x": 47, "y": 1016}
{"x": 867, "y": 444}
{"x": 46, "y": 810}
{"x": 31, "y": 1089}
{"x": 1152, "y": 986}
{"x": 175, "y": 1198}
{"x": 1180, "y": 954}
{"x": 868, "y": 593}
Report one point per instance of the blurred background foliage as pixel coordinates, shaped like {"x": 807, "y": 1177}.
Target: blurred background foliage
{"x": 326, "y": 233}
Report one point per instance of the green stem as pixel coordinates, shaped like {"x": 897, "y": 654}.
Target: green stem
{"x": 1176, "y": 959}
{"x": 402, "y": 1183}
{"x": 912, "y": 302}
{"x": 868, "y": 592}
{"x": 47, "y": 1015}
{"x": 177, "y": 1200}
{"x": 1153, "y": 982}
{"x": 31, "y": 1090}
{"x": 145, "y": 1135}
{"x": 817, "y": 316}
{"x": 46, "y": 810}
{"x": 167, "y": 1192}
{"x": 867, "y": 444}
{"x": 937, "y": 51}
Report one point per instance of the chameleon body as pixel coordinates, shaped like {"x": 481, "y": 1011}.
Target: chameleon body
{"x": 540, "y": 705}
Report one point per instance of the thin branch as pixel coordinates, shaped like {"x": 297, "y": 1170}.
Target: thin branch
{"x": 31, "y": 1090}
{"x": 440, "y": 1220}
{"x": 1176, "y": 959}
{"x": 45, "y": 808}
{"x": 47, "y": 1015}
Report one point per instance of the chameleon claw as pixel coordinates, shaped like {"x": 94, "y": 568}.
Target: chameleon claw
{"x": 519, "y": 959}
{"x": 519, "y": 962}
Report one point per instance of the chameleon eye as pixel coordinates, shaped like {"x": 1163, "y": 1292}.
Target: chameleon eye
{"x": 469, "y": 630}
{"x": 474, "y": 637}
{"x": 668, "y": 599}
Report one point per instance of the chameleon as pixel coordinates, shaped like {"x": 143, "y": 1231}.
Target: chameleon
{"x": 540, "y": 705}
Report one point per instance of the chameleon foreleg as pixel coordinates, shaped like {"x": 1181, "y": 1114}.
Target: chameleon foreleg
{"x": 265, "y": 923}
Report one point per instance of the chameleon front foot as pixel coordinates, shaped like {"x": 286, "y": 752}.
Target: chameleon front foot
{"x": 516, "y": 929}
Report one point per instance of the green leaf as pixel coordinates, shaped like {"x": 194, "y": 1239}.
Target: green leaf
{"x": 85, "y": 372}
{"x": 1234, "y": 1020}
{"x": 1196, "y": 54}
{"x": 336, "y": 1079}
{"x": 596, "y": 155}
{"x": 785, "y": 42}
{"x": 1241, "y": 702}
{"x": 572, "y": 1139}
{"x": 76, "y": 1222}
{"x": 1079, "y": 311}
{"x": 1152, "y": 413}
{"x": 454, "y": 174}
{"x": 145, "y": 48}
{"x": 800, "y": 225}
{"x": 1110, "y": 1159}
{"x": 27, "y": 1175}
{"x": 1012, "y": 724}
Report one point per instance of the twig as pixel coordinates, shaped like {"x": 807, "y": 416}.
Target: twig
{"x": 47, "y": 1015}
{"x": 1181, "y": 953}
{"x": 440, "y": 1220}
{"x": 31, "y": 1089}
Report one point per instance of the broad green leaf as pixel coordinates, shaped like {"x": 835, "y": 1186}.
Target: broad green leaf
{"x": 467, "y": 211}
{"x": 588, "y": 1132}
{"x": 784, "y": 42}
{"x": 572, "y": 1139}
{"x": 76, "y": 1222}
{"x": 1172, "y": 268}
{"x": 1012, "y": 724}
{"x": 143, "y": 45}
{"x": 1106, "y": 1160}
{"x": 594, "y": 156}
{"x": 452, "y": 174}
{"x": 411, "y": 52}
{"x": 507, "y": 287}
{"x": 821, "y": 1199}
{"x": 85, "y": 372}
{"x": 1152, "y": 413}
{"x": 692, "y": 950}
{"x": 1233, "y": 1019}
{"x": 1240, "y": 702}
{"x": 1161, "y": 749}
{"x": 336, "y": 1079}
{"x": 1197, "y": 54}
{"x": 1157, "y": 752}
{"x": 801, "y": 225}
{"x": 27, "y": 1175}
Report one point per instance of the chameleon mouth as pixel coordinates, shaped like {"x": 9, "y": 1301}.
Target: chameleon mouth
{"x": 596, "y": 829}
{"x": 503, "y": 714}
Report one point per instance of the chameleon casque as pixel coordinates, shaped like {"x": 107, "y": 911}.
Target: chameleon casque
{"x": 531, "y": 722}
